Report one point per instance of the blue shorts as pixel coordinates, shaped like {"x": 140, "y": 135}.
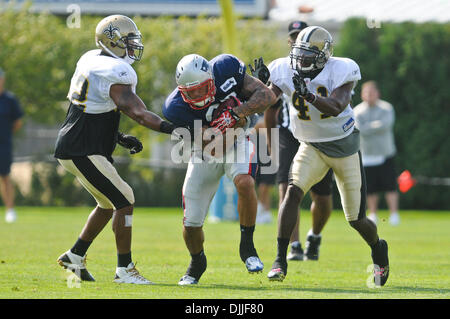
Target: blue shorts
{"x": 5, "y": 163}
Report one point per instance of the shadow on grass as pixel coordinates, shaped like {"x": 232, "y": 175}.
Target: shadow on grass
{"x": 281, "y": 288}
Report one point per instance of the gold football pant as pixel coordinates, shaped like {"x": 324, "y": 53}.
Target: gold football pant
{"x": 310, "y": 165}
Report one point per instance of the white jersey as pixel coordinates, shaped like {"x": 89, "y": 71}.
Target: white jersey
{"x": 93, "y": 78}
{"x": 308, "y": 123}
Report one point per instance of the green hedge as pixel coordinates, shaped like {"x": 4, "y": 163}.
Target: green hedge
{"x": 409, "y": 61}
{"x": 39, "y": 53}
{"x": 411, "y": 64}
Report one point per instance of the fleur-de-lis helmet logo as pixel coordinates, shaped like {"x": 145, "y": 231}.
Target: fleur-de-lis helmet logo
{"x": 110, "y": 31}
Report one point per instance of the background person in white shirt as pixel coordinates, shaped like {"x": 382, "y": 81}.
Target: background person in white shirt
{"x": 375, "y": 119}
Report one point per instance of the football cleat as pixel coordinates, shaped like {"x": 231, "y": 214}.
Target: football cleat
{"x": 76, "y": 264}
{"x": 10, "y": 216}
{"x": 278, "y": 271}
{"x": 373, "y": 217}
{"x": 254, "y": 264}
{"x": 394, "y": 219}
{"x": 264, "y": 217}
{"x": 296, "y": 252}
{"x": 276, "y": 274}
{"x": 130, "y": 275}
{"x": 187, "y": 280}
{"x": 381, "y": 263}
{"x": 312, "y": 246}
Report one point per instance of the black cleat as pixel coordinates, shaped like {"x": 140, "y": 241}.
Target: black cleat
{"x": 296, "y": 252}
{"x": 312, "y": 247}
{"x": 76, "y": 264}
{"x": 381, "y": 263}
{"x": 195, "y": 270}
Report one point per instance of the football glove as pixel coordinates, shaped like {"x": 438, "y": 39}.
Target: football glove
{"x": 260, "y": 71}
{"x": 226, "y": 119}
{"x": 130, "y": 142}
{"x": 301, "y": 89}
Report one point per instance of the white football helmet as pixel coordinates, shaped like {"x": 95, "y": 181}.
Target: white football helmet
{"x": 194, "y": 73}
{"x": 312, "y": 49}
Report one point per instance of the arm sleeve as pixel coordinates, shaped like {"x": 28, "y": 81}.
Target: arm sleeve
{"x": 346, "y": 71}
{"x": 119, "y": 74}
{"x": 279, "y": 76}
{"x": 228, "y": 66}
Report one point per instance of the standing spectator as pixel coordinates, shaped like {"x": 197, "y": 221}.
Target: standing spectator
{"x": 10, "y": 122}
{"x": 375, "y": 119}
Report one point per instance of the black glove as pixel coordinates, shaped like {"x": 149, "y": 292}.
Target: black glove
{"x": 130, "y": 142}
{"x": 301, "y": 89}
{"x": 260, "y": 71}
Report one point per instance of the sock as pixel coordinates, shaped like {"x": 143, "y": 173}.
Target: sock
{"x": 81, "y": 246}
{"x": 282, "y": 247}
{"x": 311, "y": 233}
{"x": 123, "y": 260}
{"x": 197, "y": 266}
{"x": 374, "y": 246}
{"x": 246, "y": 246}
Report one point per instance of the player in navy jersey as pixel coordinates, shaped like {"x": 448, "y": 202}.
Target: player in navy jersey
{"x": 202, "y": 86}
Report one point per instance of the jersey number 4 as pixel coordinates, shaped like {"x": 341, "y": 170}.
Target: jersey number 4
{"x": 81, "y": 96}
{"x": 302, "y": 107}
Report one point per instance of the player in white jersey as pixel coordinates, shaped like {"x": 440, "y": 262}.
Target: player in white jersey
{"x": 321, "y": 193}
{"x": 320, "y": 88}
{"x": 102, "y": 87}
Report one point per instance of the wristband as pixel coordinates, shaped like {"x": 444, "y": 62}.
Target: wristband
{"x": 166, "y": 127}
{"x": 310, "y": 97}
{"x": 234, "y": 115}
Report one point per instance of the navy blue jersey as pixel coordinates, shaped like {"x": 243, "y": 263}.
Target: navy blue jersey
{"x": 228, "y": 73}
{"x": 10, "y": 111}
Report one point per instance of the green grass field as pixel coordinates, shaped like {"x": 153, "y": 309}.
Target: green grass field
{"x": 419, "y": 259}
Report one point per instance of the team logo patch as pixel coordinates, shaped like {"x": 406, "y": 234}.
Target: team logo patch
{"x": 348, "y": 125}
{"x": 227, "y": 118}
{"x": 110, "y": 31}
{"x": 228, "y": 84}
{"x": 204, "y": 66}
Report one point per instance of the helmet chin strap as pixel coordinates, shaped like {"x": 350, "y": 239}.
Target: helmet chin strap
{"x": 203, "y": 103}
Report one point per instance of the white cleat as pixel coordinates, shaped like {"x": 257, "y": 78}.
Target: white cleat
{"x": 130, "y": 275}
{"x": 10, "y": 216}
{"x": 264, "y": 217}
{"x": 373, "y": 217}
{"x": 76, "y": 264}
{"x": 254, "y": 264}
{"x": 394, "y": 219}
{"x": 187, "y": 280}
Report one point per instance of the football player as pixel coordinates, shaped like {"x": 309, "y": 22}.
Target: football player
{"x": 278, "y": 115}
{"x": 202, "y": 87}
{"x": 102, "y": 87}
{"x": 320, "y": 87}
